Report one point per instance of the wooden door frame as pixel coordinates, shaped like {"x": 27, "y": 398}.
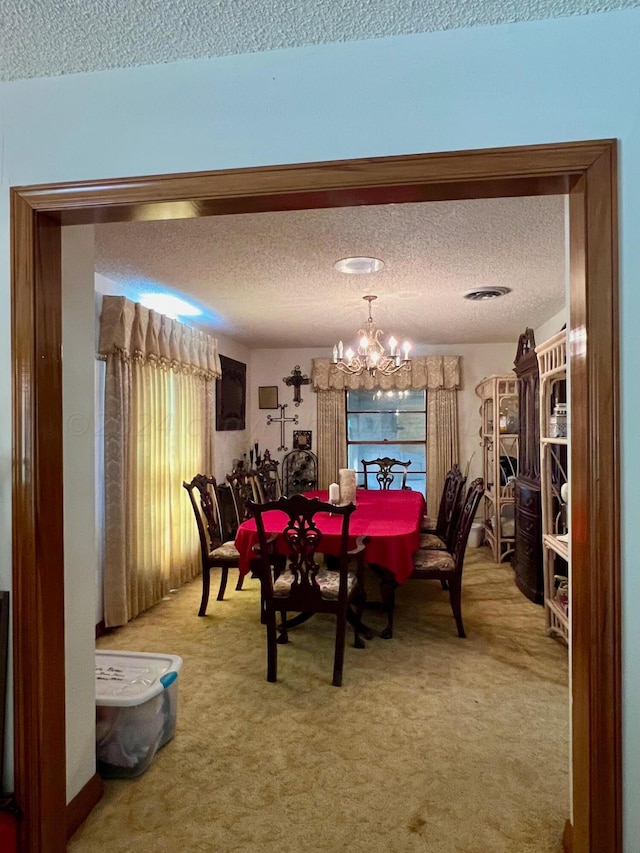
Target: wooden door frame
{"x": 585, "y": 170}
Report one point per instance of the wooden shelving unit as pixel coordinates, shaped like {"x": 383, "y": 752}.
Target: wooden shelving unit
{"x": 499, "y": 440}
{"x": 554, "y": 448}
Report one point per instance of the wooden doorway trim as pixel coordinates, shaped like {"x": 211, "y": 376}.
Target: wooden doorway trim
{"x": 585, "y": 170}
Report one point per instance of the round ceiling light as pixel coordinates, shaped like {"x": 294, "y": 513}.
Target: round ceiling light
{"x": 358, "y": 266}
{"x": 482, "y": 293}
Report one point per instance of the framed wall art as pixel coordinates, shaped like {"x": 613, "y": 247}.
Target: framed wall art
{"x": 268, "y": 397}
{"x": 231, "y": 394}
{"x": 302, "y": 439}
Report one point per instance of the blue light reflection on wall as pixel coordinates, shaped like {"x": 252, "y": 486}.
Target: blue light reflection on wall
{"x": 135, "y": 289}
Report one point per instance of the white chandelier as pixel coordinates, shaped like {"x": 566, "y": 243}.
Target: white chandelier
{"x": 371, "y": 355}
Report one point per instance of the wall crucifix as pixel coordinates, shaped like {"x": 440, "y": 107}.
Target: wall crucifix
{"x": 282, "y": 420}
{"x": 296, "y": 379}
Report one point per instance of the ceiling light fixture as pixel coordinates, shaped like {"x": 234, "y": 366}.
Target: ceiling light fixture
{"x": 480, "y": 294}
{"x": 371, "y": 354}
{"x": 358, "y": 266}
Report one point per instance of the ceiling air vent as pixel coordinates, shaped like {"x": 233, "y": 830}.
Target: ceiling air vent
{"x": 482, "y": 293}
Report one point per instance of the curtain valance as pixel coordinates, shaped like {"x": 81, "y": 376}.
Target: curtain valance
{"x": 137, "y": 332}
{"x": 433, "y": 372}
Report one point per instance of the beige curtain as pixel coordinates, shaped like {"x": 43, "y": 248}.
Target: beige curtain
{"x": 158, "y": 432}
{"x": 442, "y": 442}
{"x": 439, "y": 375}
{"x": 332, "y": 442}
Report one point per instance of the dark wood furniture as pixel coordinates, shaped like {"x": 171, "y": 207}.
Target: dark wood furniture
{"x": 299, "y": 472}
{"x": 267, "y": 479}
{"x": 383, "y": 469}
{"x": 527, "y": 556}
{"x": 447, "y": 565}
{"x": 305, "y": 586}
{"x": 440, "y": 537}
{"x": 215, "y": 553}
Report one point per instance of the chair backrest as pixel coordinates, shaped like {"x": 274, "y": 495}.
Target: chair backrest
{"x": 204, "y": 500}
{"x": 383, "y": 468}
{"x": 465, "y": 520}
{"x": 302, "y": 541}
{"x": 450, "y": 505}
{"x": 240, "y": 482}
{"x": 269, "y": 479}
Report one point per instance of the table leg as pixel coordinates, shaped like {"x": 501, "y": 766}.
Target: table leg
{"x": 387, "y": 603}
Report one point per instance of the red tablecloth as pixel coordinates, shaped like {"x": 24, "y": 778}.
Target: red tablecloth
{"x": 391, "y": 519}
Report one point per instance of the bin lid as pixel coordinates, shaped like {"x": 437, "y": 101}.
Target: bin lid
{"x": 132, "y": 678}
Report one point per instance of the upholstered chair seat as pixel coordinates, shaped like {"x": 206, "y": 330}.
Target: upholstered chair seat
{"x": 226, "y": 551}
{"x": 432, "y": 561}
{"x": 432, "y": 542}
{"x": 328, "y": 581}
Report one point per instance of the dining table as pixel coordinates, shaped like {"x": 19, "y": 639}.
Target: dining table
{"x": 389, "y": 519}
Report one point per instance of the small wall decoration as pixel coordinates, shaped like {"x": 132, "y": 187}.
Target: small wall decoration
{"x": 296, "y": 379}
{"x": 302, "y": 439}
{"x": 268, "y": 397}
{"x": 282, "y": 420}
{"x": 231, "y": 393}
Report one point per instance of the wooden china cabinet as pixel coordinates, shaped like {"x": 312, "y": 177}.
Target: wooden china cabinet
{"x": 527, "y": 555}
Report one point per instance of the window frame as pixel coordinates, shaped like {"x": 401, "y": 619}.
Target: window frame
{"x": 349, "y": 443}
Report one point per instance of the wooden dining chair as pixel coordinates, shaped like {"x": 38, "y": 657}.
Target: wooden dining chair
{"x": 214, "y": 553}
{"x": 385, "y": 470}
{"x": 306, "y": 586}
{"x": 268, "y": 479}
{"x": 241, "y": 484}
{"x": 440, "y": 537}
{"x": 448, "y": 565}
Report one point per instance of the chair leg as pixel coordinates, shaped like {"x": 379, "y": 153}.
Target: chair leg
{"x": 206, "y": 582}
{"x": 223, "y": 582}
{"x": 284, "y": 635}
{"x": 272, "y": 648}
{"x": 338, "y": 659}
{"x": 444, "y": 584}
{"x": 240, "y": 581}
{"x": 455, "y": 596}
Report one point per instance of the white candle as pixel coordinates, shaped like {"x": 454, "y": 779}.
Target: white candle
{"x": 406, "y": 347}
{"x": 334, "y": 493}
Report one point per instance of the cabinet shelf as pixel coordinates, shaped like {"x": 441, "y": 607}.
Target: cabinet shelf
{"x": 558, "y": 546}
{"x": 552, "y": 358}
{"x": 499, "y": 408}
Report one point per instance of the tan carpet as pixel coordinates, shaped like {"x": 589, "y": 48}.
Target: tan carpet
{"x": 433, "y": 743}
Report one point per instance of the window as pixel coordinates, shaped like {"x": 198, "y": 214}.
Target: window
{"x": 388, "y": 423}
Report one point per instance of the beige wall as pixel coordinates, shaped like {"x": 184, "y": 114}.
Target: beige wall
{"x": 79, "y": 472}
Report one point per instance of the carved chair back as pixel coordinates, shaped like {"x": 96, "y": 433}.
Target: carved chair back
{"x": 450, "y": 505}
{"x": 240, "y": 483}
{"x": 301, "y": 540}
{"x": 204, "y": 501}
{"x": 386, "y": 470}
{"x": 465, "y": 520}
{"x": 269, "y": 480}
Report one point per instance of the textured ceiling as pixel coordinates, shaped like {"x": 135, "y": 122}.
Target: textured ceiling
{"x": 44, "y": 38}
{"x": 267, "y": 279}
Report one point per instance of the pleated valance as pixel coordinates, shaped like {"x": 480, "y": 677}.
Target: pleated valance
{"x": 140, "y": 333}
{"x": 432, "y": 372}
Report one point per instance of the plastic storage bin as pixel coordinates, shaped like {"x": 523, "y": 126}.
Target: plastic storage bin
{"x": 136, "y": 709}
{"x": 475, "y": 535}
